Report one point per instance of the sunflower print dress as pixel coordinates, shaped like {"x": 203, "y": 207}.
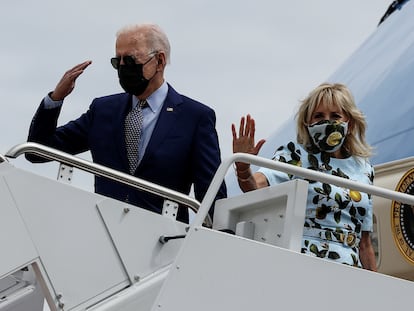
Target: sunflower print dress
{"x": 335, "y": 217}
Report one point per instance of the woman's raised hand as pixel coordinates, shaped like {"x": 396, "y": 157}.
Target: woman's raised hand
{"x": 244, "y": 142}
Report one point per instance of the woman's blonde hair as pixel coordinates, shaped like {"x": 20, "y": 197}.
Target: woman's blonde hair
{"x": 340, "y": 96}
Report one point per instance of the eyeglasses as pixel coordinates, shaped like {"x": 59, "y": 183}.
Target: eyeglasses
{"x": 128, "y": 60}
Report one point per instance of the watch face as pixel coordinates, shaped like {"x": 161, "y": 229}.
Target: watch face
{"x": 402, "y": 218}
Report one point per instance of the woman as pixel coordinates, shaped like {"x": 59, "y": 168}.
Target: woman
{"x": 330, "y": 139}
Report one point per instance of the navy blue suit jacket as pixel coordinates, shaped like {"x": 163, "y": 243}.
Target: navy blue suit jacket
{"x": 183, "y": 149}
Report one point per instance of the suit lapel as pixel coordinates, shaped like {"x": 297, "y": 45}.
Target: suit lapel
{"x": 167, "y": 118}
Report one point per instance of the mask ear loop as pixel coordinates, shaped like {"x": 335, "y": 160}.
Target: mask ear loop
{"x": 350, "y": 127}
{"x": 160, "y": 61}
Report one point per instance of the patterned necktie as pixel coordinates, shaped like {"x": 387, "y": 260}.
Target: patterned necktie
{"x": 133, "y": 131}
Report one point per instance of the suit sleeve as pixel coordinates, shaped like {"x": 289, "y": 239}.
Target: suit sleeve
{"x": 71, "y": 138}
{"x": 207, "y": 157}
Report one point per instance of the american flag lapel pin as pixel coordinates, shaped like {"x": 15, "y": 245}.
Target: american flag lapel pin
{"x": 170, "y": 109}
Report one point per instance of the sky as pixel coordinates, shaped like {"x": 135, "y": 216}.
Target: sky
{"x": 259, "y": 57}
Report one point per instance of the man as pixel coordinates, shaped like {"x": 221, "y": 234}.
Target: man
{"x": 176, "y": 143}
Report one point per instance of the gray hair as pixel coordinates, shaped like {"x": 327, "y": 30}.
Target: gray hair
{"x": 154, "y": 37}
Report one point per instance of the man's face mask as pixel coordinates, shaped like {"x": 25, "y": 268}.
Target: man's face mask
{"x": 131, "y": 75}
{"x": 328, "y": 135}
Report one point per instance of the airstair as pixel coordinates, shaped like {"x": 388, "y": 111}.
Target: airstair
{"x": 64, "y": 248}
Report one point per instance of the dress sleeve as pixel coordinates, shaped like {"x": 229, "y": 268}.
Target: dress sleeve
{"x": 276, "y": 177}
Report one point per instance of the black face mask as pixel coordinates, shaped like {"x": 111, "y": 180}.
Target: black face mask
{"x": 132, "y": 79}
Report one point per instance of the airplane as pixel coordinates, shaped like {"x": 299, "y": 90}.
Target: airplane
{"x": 83, "y": 257}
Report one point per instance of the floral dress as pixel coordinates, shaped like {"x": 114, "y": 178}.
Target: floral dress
{"x": 335, "y": 217}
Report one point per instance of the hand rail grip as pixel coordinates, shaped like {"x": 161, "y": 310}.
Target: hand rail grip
{"x": 103, "y": 171}
{"x": 2, "y": 158}
{"x": 294, "y": 170}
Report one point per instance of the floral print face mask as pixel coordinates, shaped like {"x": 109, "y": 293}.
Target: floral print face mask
{"x": 328, "y": 135}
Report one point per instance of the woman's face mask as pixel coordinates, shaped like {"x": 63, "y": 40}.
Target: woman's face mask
{"x": 328, "y": 135}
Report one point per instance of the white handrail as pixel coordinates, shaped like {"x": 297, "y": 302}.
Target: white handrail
{"x": 100, "y": 170}
{"x": 294, "y": 170}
